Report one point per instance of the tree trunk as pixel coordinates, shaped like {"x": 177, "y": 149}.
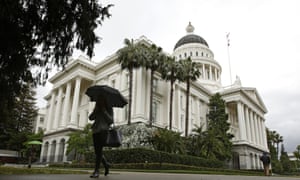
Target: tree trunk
{"x": 187, "y": 107}
{"x": 171, "y": 107}
{"x": 151, "y": 99}
{"x": 130, "y": 95}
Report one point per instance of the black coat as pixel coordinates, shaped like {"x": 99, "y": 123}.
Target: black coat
{"x": 265, "y": 159}
{"x": 103, "y": 120}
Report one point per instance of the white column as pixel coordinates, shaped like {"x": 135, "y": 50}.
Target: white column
{"x": 247, "y": 124}
{"x": 252, "y": 127}
{"x": 49, "y": 151}
{"x": 241, "y": 120}
{"x": 261, "y": 131}
{"x": 255, "y": 129}
{"x": 204, "y": 71}
{"x": 65, "y": 157}
{"x": 74, "y": 112}
{"x": 58, "y": 109}
{"x": 141, "y": 89}
{"x": 66, "y": 107}
{"x": 50, "y": 114}
{"x": 210, "y": 73}
{"x": 216, "y": 74}
{"x": 42, "y": 152}
{"x": 264, "y": 134}
{"x": 56, "y": 154}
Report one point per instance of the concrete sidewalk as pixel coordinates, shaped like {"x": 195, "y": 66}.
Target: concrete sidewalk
{"x": 140, "y": 176}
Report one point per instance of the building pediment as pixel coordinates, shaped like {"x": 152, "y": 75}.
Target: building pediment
{"x": 254, "y": 96}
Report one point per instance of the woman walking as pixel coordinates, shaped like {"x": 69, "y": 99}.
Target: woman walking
{"x": 102, "y": 116}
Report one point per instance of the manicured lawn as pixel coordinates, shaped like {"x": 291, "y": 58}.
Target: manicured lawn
{"x": 14, "y": 170}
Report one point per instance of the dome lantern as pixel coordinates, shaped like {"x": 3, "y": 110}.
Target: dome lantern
{"x": 190, "y": 28}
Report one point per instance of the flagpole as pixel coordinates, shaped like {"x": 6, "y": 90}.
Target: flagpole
{"x": 228, "y": 54}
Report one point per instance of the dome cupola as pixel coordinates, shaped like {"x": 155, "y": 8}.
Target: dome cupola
{"x": 190, "y": 38}
{"x": 195, "y": 47}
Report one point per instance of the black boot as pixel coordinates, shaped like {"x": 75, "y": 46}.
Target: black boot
{"x": 107, "y": 166}
{"x": 95, "y": 174}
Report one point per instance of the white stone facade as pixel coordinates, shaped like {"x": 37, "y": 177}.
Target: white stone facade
{"x": 68, "y": 107}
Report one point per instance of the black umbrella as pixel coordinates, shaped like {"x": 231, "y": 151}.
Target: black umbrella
{"x": 113, "y": 96}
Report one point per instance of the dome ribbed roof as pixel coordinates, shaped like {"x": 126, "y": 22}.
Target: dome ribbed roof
{"x": 190, "y": 38}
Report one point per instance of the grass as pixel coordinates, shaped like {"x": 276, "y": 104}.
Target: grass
{"x": 14, "y": 170}
{"x": 46, "y": 170}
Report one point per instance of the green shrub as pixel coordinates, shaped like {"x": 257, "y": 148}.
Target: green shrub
{"x": 142, "y": 155}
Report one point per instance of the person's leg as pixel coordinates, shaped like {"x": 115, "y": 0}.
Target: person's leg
{"x": 104, "y": 161}
{"x": 267, "y": 170}
{"x": 106, "y": 165}
{"x": 98, "y": 153}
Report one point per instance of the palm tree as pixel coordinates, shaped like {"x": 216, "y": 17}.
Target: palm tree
{"x": 169, "y": 72}
{"x": 277, "y": 140}
{"x": 168, "y": 141}
{"x": 190, "y": 72}
{"x": 130, "y": 57}
{"x": 154, "y": 59}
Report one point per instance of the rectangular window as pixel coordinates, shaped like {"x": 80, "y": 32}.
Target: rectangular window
{"x": 182, "y": 122}
{"x": 155, "y": 85}
{"x": 192, "y": 105}
{"x": 41, "y": 120}
{"x": 181, "y": 102}
{"x": 154, "y": 111}
{"x": 127, "y": 80}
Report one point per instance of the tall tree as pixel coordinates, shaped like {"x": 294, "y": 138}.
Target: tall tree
{"x": 190, "y": 72}
{"x": 38, "y": 35}
{"x": 155, "y": 58}
{"x": 285, "y": 160}
{"x": 218, "y": 127}
{"x": 170, "y": 72}
{"x": 20, "y": 123}
{"x": 130, "y": 57}
{"x": 277, "y": 140}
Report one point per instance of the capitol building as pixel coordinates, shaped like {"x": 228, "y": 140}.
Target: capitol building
{"x": 68, "y": 106}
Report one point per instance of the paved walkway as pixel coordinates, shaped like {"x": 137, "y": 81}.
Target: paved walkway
{"x": 140, "y": 176}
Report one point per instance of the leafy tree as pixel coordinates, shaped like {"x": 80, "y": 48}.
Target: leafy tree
{"x": 32, "y": 150}
{"x": 297, "y": 155}
{"x": 154, "y": 60}
{"x": 190, "y": 72}
{"x": 131, "y": 57}
{"x": 19, "y": 122}
{"x": 168, "y": 141}
{"x": 195, "y": 142}
{"x": 277, "y": 140}
{"x": 273, "y": 139}
{"x": 217, "y": 137}
{"x": 170, "y": 72}
{"x": 285, "y": 160}
{"x": 38, "y": 35}
{"x": 80, "y": 143}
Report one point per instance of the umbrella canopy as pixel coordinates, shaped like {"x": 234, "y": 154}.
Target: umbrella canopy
{"x": 34, "y": 143}
{"x": 113, "y": 96}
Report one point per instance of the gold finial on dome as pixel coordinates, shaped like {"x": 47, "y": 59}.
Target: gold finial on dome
{"x": 190, "y": 28}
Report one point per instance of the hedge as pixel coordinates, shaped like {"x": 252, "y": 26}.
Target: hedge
{"x": 142, "y": 155}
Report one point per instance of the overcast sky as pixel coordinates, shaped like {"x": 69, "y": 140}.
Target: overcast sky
{"x": 264, "y": 45}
